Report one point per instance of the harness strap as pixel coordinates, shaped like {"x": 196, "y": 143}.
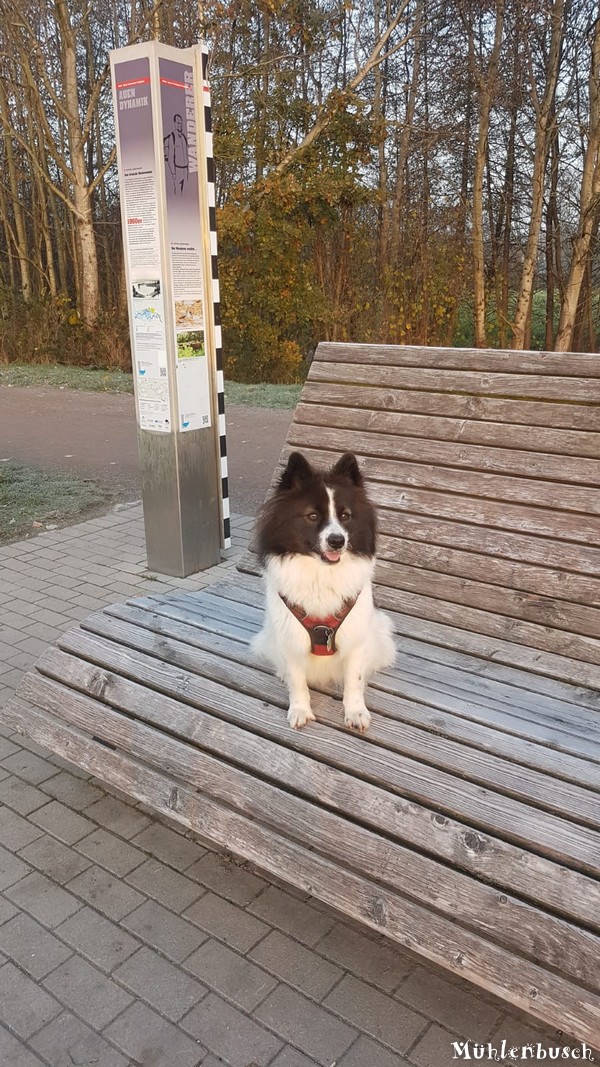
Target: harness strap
{"x": 321, "y": 631}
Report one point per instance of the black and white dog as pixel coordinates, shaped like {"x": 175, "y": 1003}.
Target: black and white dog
{"x": 316, "y": 539}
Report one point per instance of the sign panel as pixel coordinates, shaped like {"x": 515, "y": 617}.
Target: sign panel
{"x": 184, "y": 230}
{"x": 133, "y": 94}
{"x": 166, "y": 172}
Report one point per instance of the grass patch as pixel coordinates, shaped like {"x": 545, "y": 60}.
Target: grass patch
{"x": 32, "y": 500}
{"x": 262, "y": 395}
{"x": 64, "y": 377}
{"x": 89, "y": 379}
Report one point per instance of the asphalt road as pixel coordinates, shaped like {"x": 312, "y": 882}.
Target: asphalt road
{"x": 94, "y": 434}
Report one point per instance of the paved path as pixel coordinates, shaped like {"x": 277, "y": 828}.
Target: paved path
{"x": 95, "y": 434}
{"x": 124, "y": 943}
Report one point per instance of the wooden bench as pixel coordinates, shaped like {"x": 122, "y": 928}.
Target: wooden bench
{"x": 464, "y": 824}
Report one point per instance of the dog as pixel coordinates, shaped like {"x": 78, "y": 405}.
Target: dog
{"x": 316, "y": 539}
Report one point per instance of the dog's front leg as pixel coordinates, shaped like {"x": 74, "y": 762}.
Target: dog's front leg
{"x": 299, "y": 711}
{"x": 356, "y": 714}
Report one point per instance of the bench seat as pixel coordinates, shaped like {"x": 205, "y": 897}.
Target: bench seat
{"x": 465, "y": 823}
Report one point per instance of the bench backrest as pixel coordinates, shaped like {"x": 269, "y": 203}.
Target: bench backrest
{"x": 485, "y": 466}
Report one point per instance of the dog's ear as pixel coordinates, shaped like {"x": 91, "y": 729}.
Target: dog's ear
{"x": 347, "y": 467}
{"x": 297, "y": 473}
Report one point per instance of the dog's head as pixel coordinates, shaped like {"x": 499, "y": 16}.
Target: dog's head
{"x": 318, "y": 513}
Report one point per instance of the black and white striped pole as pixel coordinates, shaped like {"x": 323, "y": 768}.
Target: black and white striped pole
{"x": 163, "y": 123}
{"x": 216, "y": 296}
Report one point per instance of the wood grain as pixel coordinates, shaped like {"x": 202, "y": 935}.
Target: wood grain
{"x": 440, "y": 428}
{"x": 582, "y": 364}
{"x": 530, "y": 932}
{"x": 430, "y": 379}
{"x": 544, "y": 994}
{"x": 479, "y": 806}
{"x": 575, "y": 416}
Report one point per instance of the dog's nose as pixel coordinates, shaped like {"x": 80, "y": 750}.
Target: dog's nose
{"x": 336, "y": 540}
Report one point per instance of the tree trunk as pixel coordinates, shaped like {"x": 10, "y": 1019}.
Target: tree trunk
{"x": 89, "y": 295}
{"x": 20, "y": 232}
{"x": 543, "y": 133}
{"x": 487, "y": 83}
{"x": 588, "y": 212}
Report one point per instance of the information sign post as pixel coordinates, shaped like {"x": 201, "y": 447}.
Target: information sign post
{"x": 166, "y": 186}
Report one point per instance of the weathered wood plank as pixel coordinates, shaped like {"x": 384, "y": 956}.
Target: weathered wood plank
{"x": 450, "y": 454}
{"x": 544, "y": 994}
{"x": 471, "y": 764}
{"x": 506, "y": 652}
{"x": 501, "y": 600}
{"x": 559, "y": 555}
{"x": 512, "y": 685}
{"x": 481, "y": 807}
{"x": 450, "y": 713}
{"x": 493, "y": 685}
{"x": 495, "y": 861}
{"x": 454, "y": 405}
{"x": 579, "y": 364}
{"x": 428, "y": 379}
{"x": 439, "y": 428}
{"x": 521, "y": 927}
{"x": 528, "y": 578}
{"x": 523, "y": 703}
{"x": 542, "y": 522}
{"x": 519, "y": 490}
{"x": 545, "y": 638}
{"x": 566, "y": 728}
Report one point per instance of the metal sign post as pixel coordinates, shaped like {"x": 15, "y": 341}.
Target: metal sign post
{"x": 164, "y": 145}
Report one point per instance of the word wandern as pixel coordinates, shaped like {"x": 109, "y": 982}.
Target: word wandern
{"x": 504, "y": 1050}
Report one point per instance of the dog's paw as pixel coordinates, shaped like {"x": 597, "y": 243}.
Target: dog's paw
{"x": 298, "y": 715}
{"x": 357, "y": 718}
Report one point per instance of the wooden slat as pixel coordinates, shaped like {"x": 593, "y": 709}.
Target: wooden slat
{"x": 500, "y": 600}
{"x": 580, "y": 364}
{"x": 525, "y": 698}
{"x": 543, "y": 993}
{"x": 510, "y": 686}
{"x": 516, "y": 576}
{"x": 454, "y": 405}
{"x": 450, "y": 454}
{"x": 541, "y": 522}
{"x": 534, "y": 673}
{"x": 565, "y": 727}
{"x": 428, "y": 379}
{"x": 473, "y": 765}
{"x": 518, "y": 490}
{"x": 439, "y": 428}
{"x": 495, "y": 861}
{"x": 520, "y": 927}
{"x": 562, "y": 556}
{"x": 512, "y": 819}
{"x": 545, "y": 638}
{"x": 507, "y": 652}
{"x": 524, "y": 705}
{"x": 460, "y": 719}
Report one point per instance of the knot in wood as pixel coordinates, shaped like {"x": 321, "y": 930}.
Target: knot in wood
{"x": 474, "y": 842}
{"x": 376, "y": 911}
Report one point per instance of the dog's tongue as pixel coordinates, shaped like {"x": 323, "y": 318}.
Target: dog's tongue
{"x": 332, "y": 557}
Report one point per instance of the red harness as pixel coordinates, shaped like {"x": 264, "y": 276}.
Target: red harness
{"x": 321, "y": 631}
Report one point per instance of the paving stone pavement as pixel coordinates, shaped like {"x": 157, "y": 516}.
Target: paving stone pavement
{"x": 125, "y": 942}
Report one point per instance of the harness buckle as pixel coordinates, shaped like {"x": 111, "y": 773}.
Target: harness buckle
{"x": 323, "y": 637}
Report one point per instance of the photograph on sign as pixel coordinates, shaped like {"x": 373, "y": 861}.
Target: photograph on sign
{"x": 142, "y": 243}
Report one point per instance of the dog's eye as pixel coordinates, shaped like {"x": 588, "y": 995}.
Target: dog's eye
{"x": 346, "y": 516}
{"x": 312, "y": 516}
